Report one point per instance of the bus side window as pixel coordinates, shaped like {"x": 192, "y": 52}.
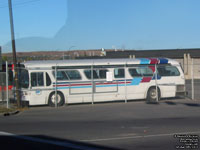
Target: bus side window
{"x": 60, "y": 75}
{"x": 48, "y": 80}
{"x": 119, "y": 73}
{"x": 141, "y": 72}
{"x": 37, "y": 79}
{"x": 33, "y": 80}
{"x": 102, "y": 73}
{"x": 168, "y": 71}
{"x": 146, "y": 71}
{"x": 88, "y": 74}
{"x": 134, "y": 72}
{"x": 73, "y": 74}
{"x": 97, "y": 73}
{"x": 40, "y": 79}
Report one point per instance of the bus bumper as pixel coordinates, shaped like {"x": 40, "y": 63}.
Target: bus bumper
{"x": 180, "y": 90}
{"x": 184, "y": 93}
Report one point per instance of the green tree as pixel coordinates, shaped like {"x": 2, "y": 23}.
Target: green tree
{"x": 4, "y": 58}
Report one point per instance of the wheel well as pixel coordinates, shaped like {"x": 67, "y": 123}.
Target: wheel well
{"x": 57, "y": 92}
{"x": 151, "y": 88}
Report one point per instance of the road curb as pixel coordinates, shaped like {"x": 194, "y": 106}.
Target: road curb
{"x": 11, "y": 113}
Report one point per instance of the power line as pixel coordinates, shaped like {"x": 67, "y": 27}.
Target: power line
{"x": 19, "y": 3}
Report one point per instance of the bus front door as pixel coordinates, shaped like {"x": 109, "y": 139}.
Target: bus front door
{"x": 37, "y": 96}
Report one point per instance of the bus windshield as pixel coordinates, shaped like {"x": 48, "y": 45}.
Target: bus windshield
{"x": 23, "y": 78}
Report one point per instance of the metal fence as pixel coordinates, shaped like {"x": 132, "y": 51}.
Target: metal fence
{"x": 4, "y": 92}
{"x": 192, "y": 85}
{"x": 3, "y": 95}
{"x": 193, "y": 81}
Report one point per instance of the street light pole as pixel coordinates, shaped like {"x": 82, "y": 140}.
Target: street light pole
{"x": 14, "y": 52}
{"x": 69, "y": 51}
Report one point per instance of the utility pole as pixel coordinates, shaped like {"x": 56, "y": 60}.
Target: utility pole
{"x": 14, "y": 55}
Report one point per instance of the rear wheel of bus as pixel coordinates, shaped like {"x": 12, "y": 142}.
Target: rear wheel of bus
{"x": 52, "y": 99}
{"x": 152, "y": 95}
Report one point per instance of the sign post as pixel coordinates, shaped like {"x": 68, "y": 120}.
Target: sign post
{"x": 16, "y": 69}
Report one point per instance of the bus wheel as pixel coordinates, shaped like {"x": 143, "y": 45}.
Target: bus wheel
{"x": 151, "y": 95}
{"x": 52, "y": 99}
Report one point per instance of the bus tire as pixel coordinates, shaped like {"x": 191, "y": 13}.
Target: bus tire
{"x": 52, "y": 99}
{"x": 151, "y": 95}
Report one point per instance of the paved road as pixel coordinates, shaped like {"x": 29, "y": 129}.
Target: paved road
{"x": 132, "y": 125}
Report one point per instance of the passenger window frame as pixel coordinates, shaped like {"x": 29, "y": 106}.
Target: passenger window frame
{"x": 140, "y": 71}
{"x": 97, "y": 74}
{"x": 70, "y": 77}
{"x": 37, "y": 85}
{"x": 47, "y": 76}
{"x": 115, "y": 76}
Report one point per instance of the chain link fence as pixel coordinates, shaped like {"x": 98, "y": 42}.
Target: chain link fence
{"x": 3, "y": 90}
{"x": 6, "y": 89}
{"x": 193, "y": 81}
{"x": 3, "y": 95}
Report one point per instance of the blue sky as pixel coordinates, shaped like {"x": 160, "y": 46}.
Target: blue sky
{"x": 95, "y": 24}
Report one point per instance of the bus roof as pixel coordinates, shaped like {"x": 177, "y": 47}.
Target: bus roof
{"x": 89, "y": 62}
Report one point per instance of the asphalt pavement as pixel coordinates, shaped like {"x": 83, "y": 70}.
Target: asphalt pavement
{"x": 170, "y": 124}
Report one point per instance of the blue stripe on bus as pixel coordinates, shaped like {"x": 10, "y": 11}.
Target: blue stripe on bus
{"x": 158, "y": 77}
{"x": 163, "y": 61}
{"x": 136, "y": 81}
{"x": 113, "y": 85}
{"x": 144, "y": 61}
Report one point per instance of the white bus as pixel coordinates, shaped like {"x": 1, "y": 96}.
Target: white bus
{"x": 100, "y": 80}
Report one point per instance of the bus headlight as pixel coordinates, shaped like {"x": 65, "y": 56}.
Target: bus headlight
{"x": 24, "y": 93}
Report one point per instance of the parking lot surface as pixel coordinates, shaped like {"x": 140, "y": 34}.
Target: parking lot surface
{"x": 132, "y": 125}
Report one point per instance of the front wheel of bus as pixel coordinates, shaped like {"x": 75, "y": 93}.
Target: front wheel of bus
{"x": 52, "y": 99}
{"x": 152, "y": 96}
